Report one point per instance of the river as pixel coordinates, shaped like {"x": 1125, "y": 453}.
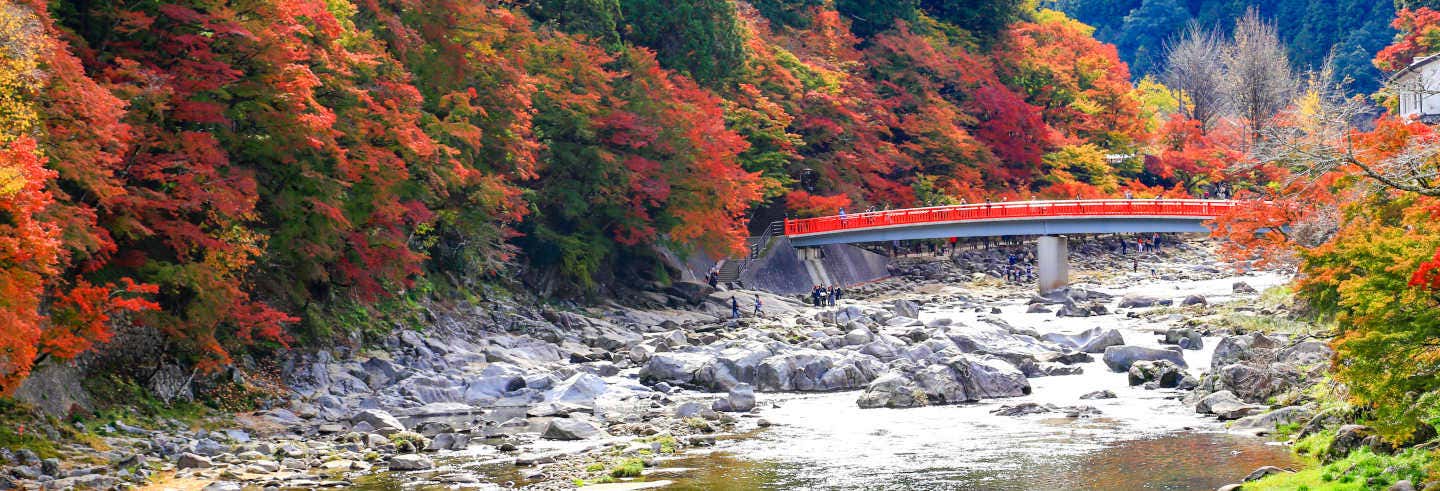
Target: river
{"x": 1142, "y": 440}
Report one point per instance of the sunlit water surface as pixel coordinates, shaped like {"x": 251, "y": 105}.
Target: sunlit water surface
{"x": 1142, "y": 439}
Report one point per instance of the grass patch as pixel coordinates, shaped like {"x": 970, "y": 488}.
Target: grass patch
{"x": 1316, "y": 444}
{"x": 1361, "y": 470}
{"x": 628, "y": 468}
{"x": 699, "y": 424}
{"x": 668, "y": 445}
{"x": 120, "y": 399}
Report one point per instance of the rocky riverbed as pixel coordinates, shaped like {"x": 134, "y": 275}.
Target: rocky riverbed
{"x": 511, "y": 393}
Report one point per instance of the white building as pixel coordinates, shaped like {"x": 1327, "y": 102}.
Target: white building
{"x": 1418, "y": 88}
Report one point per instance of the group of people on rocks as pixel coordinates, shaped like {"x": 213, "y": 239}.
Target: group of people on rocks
{"x": 735, "y": 306}
{"x": 712, "y": 277}
{"x": 1015, "y": 272}
{"x": 821, "y": 296}
{"x": 1142, "y": 244}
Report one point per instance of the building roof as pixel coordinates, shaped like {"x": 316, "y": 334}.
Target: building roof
{"x": 1415, "y": 65}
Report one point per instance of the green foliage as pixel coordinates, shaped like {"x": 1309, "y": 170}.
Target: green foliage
{"x": 986, "y": 19}
{"x": 791, "y": 13}
{"x": 699, "y": 37}
{"x": 870, "y": 17}
{"x": 1363, "y": 280}
{"x": 1353, "y": 29}
{"x": 598, "y": 19}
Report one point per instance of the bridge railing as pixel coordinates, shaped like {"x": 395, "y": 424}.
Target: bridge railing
{"x": 1012, "y": 210}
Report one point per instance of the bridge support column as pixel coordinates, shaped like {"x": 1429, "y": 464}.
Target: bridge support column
{"x": 1052, "y": 254}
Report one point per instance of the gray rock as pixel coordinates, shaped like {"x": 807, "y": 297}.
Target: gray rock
{"x": 193, "y": 461}
{"x": 382, "y": 422}
{"x": 740, "y": 399}
{"x": 1194, "y": 300}
{"x": 1023, "y": 409}
{"x": 1241, "y": 287}
{"x": 1093, "y": 340}
{"x": 1226, "y": 406}
{"x": 209, "y": 448}
{"x": 570, "y": 429}
{"x": 1261, "y": 424}
{"x": 1119, "y": 358}
{"x": 581, "y": 388}
{"x": 673, "y": 367}
{"x": 449, "y": 441}
{"x": 858, "y": 336}
{"x": 1099, "y": 394}
{"x": 905, "y": 308}
{"x": 1263, "y": 472}
{"x": 410, "y": 462}
{"x": 1402, "y": 485}
{"x": 963, "y": 378}
{"x": 1136, "y": 300}
{"x": 1162, "y": 373}
{"x": 222, "y": 486}
{"x": 1347, "y": 439}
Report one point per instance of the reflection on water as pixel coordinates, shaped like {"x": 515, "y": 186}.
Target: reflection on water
{"x": 1182, "y": 461}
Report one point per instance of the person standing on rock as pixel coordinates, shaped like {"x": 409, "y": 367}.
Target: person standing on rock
{"x": 734, "y": 308}
{"x": 757, "y": 305}
{"x": 830, "y": 295}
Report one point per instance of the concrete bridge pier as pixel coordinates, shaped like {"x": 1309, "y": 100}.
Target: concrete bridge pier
{"x": 1053, "y": 268}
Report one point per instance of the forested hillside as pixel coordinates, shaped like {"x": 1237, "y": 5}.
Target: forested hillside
{"x": 246, "y": 175}
{"x": 1353, "y": 29}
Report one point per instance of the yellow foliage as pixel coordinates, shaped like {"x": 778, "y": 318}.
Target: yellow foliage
{"x": 22, "y": 44}
{"x": 1081, "y": 163}
{"x": 1157, "y": 101}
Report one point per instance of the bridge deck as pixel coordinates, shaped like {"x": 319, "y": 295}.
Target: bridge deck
{"x": 1012, "y": 218}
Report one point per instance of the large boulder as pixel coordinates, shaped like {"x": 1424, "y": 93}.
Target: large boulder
{"x": 1162, "y": 374}
{"x": 675, "y": 367}
{"x": 1119, "y": 358}
{"x": 410, "y": 462}
{"x": 740, "y": 399}
{"x": 693, "y": 292}
{"x": 1226, "y": 406}
{"x": 572, "y": 428}
{"x": 808, "y": 370}
{"x": 1262, "y": 424}
{"x": 382, "y": 422}
{"x": 1184, "y": 337}
{"x": 893, "y": 390}
{"x": 905, "y": 308}
{"x": 494, "y": 382}
{"x": 1347, "y": 439}
{"x": 1093, "y": 340}
{"x": 1251, "y": 346}
{"x": 964, "y": 378}
{"x": 733, "y": 365}
{"x": 581, "y": 388}
{"x": 1137, "y": 300}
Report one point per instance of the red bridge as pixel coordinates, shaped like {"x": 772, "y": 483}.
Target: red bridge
{"x": 1048, "y": 219}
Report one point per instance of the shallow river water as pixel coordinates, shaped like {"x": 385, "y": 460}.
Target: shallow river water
{"x": 1143, "y": 439}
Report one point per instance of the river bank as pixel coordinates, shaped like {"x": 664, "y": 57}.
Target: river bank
{"x": 548, "y": 398}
